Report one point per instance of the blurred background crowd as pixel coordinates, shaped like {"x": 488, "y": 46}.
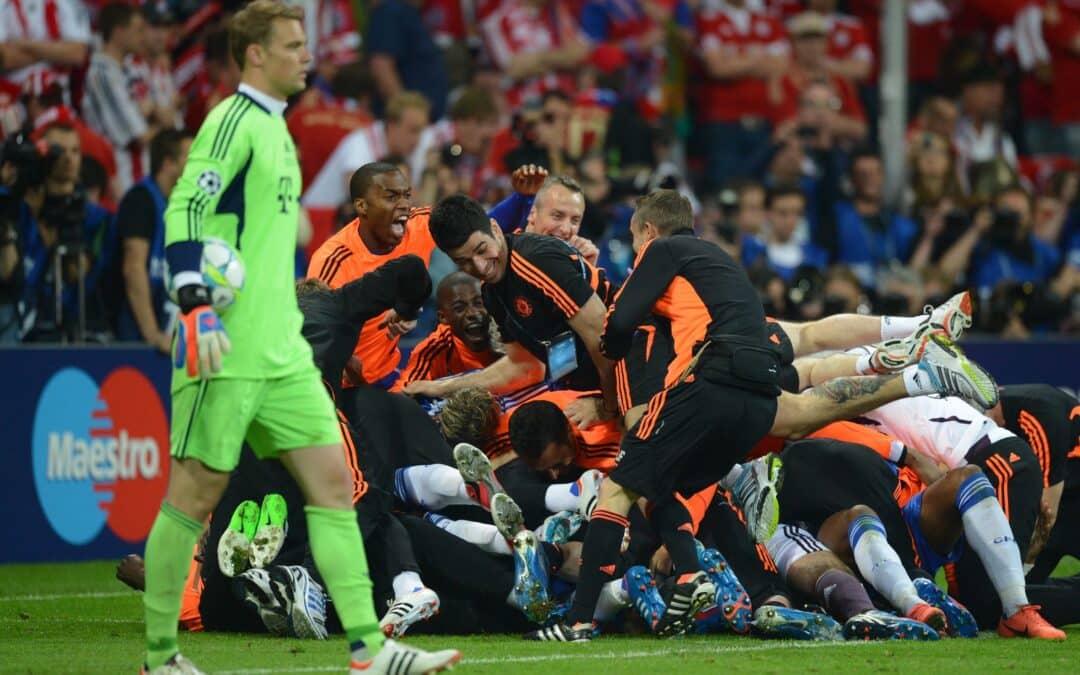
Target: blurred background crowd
{"x": 764, "y": 112}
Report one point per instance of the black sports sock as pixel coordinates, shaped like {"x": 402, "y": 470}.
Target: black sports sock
{"x": 842, "y": 595}
{"x": 675, "y": 526}
{"x": 599, "y": 562}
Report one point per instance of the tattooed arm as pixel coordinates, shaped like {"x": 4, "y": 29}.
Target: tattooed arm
{"x": 839, "y": 399}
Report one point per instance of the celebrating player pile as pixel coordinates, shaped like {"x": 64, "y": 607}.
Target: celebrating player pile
{"x": 663, "y": 452}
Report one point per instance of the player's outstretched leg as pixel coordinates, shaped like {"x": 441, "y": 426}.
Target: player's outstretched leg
{"x": 880, "y": 565}
{"x": 338, "y": 550}
{"x": 475, "y": 468}
{"x": 953, "y": 374}
{"x": 987, "y": 531}
{"x": 193, "y": 491}
{"x": 947, "y": 320}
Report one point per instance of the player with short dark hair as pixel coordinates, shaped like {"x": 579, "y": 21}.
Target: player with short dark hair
{"x": 386, "y": 227}
{"x": 548, "y": 302}
{"x": 462, "y": 340}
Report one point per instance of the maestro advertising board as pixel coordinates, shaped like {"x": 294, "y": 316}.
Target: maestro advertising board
{"x": 86, "y": 451}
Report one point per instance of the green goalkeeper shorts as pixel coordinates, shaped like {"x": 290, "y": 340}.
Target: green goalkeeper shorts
{"x": 212, "y": 418}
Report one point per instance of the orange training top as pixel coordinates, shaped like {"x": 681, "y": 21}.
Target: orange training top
{"x": 442, "y": 354}
{"x": 344, "y": 257}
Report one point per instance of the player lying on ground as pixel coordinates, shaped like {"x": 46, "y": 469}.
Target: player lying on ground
{"x": 857, "y": 516}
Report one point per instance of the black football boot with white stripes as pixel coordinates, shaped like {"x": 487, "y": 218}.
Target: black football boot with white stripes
{"x": 691, "y": 594}
{"x": 562, "y": 632}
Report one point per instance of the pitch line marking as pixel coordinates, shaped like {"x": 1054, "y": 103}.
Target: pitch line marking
{"x": 65, "y": 596}
{"x": 689, "y": 650}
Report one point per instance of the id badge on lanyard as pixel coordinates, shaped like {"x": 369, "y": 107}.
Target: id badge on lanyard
{"x": 561, "y": 355}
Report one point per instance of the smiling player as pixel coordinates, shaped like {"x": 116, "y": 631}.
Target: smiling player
{"x": 462, "y": 340}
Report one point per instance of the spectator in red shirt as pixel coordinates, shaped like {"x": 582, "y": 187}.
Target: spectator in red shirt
{"x": 929, "y": 34}
{"x": 848, "y": 54}
{"x": 1061, "y": 26}
{"x": 318, "y": 122}
{"x": 50, "y": 36}
{"x": 741, "y": 50}
{"x": 847, "y": 123}
{"x": 536, "y": 43}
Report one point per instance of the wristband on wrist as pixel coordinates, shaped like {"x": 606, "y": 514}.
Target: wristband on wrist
{"x": 191, "y": 296}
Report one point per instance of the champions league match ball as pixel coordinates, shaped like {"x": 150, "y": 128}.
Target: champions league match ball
{"x": 222, "y": 272}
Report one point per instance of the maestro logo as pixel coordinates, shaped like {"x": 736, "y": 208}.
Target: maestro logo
{"x": 100, "y": 454}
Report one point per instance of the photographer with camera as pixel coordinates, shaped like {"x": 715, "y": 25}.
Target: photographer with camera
{"x": 1010, "y": 250}
{"x": 148, "y": 315}
{"x": 21, "y": 172}
{"x": 66, "y": 248}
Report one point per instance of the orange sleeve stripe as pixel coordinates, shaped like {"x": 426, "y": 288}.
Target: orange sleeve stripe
{"x": 437, "y": 345}
{"x": 1002, "y": 471}
{"x": 622, "y": 386}
{"x": 547, "y": 286}
{"x": 359, "y": 484}
{"x": 765, "y": 558}
{"x": 332, "y": 264}
{"x": 1037, "y": 438}
{"x": 652, "y": 414}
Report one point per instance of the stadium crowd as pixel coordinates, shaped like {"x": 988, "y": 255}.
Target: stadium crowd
{"x": 584, "y": 280}
{"x": 761, "y": 111}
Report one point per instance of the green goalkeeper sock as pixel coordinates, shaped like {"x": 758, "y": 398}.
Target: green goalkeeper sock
{"x": 167, "y": 559}
{"x": 339, "y": 554}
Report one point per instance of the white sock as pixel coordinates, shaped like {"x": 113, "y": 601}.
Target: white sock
{"x": 987, "y": 531}
{"x": 561, "y": 497}
{"x": 917, "y": 383}
{"x": 431, "y": 486}
{"x": 483, "y": 535}
{"x": 613, "y": 598}
{"x": 863, "y": 365}
{"x": 879, "y": 564}
{"x": 405, "y": 583}
{"x": 893, "y": 327}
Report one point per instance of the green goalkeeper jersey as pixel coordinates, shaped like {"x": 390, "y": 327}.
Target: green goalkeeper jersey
{"x": 241, "y": 183}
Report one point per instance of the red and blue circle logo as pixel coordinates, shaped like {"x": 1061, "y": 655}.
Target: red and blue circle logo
{"x": 100, "y": 454}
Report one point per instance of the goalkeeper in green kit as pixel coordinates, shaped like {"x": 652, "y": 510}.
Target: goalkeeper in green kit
{"x": 249, "y": 375}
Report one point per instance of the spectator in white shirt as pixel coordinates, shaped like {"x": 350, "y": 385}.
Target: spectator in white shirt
{"x": 108, "y": 106}
{"x": 405, "y": 120}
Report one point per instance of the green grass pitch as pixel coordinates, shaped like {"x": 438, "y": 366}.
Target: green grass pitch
{"x": 76, "y": 618}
